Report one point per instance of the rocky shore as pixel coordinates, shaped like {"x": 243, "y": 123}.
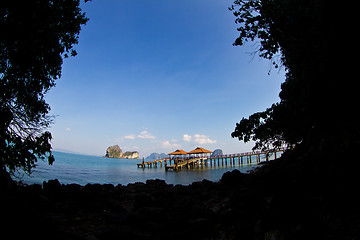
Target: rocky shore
{"x": 287, "y": 199}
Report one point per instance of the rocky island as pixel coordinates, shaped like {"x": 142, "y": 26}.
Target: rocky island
{"x": 217, "y": 152}
{"x": 116, "y": 152}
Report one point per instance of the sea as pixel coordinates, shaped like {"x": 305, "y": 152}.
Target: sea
{"x": 83, "y": 169}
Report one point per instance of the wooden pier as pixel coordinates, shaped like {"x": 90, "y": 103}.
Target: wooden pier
{"x": 188, "y": 163}
{"x": 222, "y": 160}
{"x": 154, "y": 163}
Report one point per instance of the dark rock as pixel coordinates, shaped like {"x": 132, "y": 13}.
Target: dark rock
{"x": 108, "y": 187}
{"x": 155, "y": 213}
{"x": 34, "y": 188}
{"x": 92, "y": 187}
{"x": 118, "y": 233}
{"x": 156, "y": 182}
{"x": 52, "y": 186}
{"x": 115, "y": 217}
{"x": 234, "y": 177}
{"x": 96, "y": 188}
{"x": 72, "y": 188}
{"x": 206, "y": 182}
{"x": 6, "y": 183}
{"x": 275, "y": 235}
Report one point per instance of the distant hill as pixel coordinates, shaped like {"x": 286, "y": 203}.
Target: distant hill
{"x": 156, "y": 156}
{"x": 217, "y": 152}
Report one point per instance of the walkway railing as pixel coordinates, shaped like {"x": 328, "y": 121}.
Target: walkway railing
{"x": 223, "y": 160}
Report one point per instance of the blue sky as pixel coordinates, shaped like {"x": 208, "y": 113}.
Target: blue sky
{"x": 155, "y": 76}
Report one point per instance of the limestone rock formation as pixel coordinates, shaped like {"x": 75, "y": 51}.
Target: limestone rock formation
{"x": 131, "y": 155}
{"x": 116, "y": 152}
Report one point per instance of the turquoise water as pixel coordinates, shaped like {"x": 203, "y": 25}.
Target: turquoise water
{"x": 82, "y": 169}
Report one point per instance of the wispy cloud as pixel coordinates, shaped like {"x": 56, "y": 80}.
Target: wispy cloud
{"x": 167, "y": 145}
{"x": 142, "y": 135}
{"x": 130, "y": 137}
{"x": 145, "y": 135}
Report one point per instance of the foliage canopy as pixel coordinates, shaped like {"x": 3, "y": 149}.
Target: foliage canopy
{"x": 35, "y": 38}
{"x": 314, "y": 108}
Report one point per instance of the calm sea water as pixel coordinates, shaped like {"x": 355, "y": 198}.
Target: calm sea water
{"x": 82, "y": 169}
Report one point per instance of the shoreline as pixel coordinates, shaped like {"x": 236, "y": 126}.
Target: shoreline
{"x": 82, "y": 170}
{"x": 281, "y": 200}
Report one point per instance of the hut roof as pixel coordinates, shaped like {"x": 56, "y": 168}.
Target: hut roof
{"x": 199, "y": 150}
{"x": 178, "y": 152}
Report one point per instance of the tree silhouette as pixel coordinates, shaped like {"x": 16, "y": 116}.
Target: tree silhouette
{"x": 315, "y": 108}
{"x": 35, "y": 38}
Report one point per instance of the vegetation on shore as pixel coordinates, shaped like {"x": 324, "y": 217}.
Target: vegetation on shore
{"x": 35, "y": 38}
{"x": 315, "y": 98}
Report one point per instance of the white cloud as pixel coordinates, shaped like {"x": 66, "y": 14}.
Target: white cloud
{"x": 145, "y": 135}
{"x": 187, "y": 138}
{"x": 142, "y": 135}
{"x": 167, "y": 145}
{"x": 68, "y": 129}
{"x": 203, "y": 139}
{"x": 198, "y": 138}
{"x": 130, "y": 137}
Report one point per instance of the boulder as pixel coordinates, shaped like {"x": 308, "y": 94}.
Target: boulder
{"x": 52, "y": 186}
{"x": 234, "y": 177}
